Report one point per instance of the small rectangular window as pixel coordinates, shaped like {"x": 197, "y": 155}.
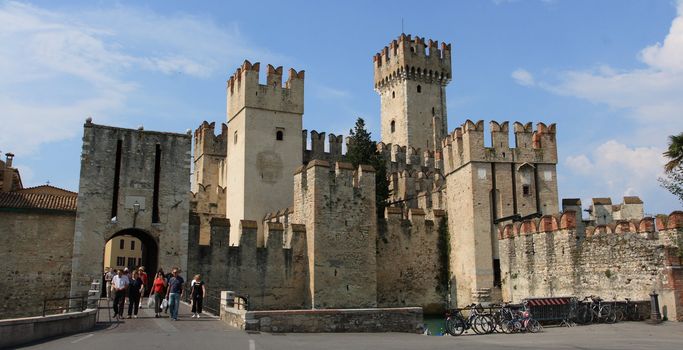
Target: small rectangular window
{"x": 526, "y": 190}
{"x": 132, "y": 245}
{"x": 120, "y": 261}
{"x": 121, "y": 243}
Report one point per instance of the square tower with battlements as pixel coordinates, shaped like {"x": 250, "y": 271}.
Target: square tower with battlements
{"x": 411, "y": 79}
{"x": 263, "y": 140}
{"x": 488, "y": 185}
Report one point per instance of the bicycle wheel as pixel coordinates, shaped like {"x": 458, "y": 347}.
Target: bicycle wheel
{"x": 454, "y": 326}
{"x": 533, "y": 326}
{"x": 491, "y": 323}
{"x": 611, "y": 316}
{"x": 481, "y": 324}
{"x": 584, "y": 315}
{"x": 621, "y": 315}
{"x": 508, "y": 326}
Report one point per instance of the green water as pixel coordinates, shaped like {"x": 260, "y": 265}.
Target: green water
{"x": 436, "y": 324}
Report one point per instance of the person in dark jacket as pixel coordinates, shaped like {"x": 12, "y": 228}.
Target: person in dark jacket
{"x": 135, "y": 290}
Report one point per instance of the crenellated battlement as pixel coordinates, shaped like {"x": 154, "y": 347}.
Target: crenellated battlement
{"x": 399, "y": 158}
{"x": 624, "y": 259}
{"x": 273, "y": 274}
{"x": 415, "y": 176}
{"x": 206, "y": 142}
{"x": 244, "y": 90}
{"x": 340, "y": 178}
{"x": 466, "y": 144}
{"x": 410, "y": 58}
{"x": 317, "y": 149}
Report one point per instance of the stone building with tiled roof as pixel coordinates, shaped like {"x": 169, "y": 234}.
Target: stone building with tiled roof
{"x": 39, "y": 220}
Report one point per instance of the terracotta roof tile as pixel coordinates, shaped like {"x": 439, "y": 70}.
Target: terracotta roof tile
{"x": 48, "y": 189}
{"x": 37, "y": 201}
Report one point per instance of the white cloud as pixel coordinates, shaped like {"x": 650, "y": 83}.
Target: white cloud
{"x": 328, "y": 92}
{"x": 523, "y": 77}
{"x": 58, "y": 68}
{"x": 649, "y": 94}
{"x": 613, "y": 169}
{"x": 579, "y": 164}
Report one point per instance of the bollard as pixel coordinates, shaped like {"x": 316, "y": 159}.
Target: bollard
{"x": 655, "y": 316}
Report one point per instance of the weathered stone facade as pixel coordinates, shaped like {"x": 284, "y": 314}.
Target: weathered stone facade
{"x": 410, "y": 271}
{"x": 132, "y": 182}
{"x": 36, "y": 248}
{"x": 264, "y": 146}
{"x": 485, "y": 184}
{"x": 412, "y": 83}
{"x": 625, "y": 259}
{"x": 318, "y": 245}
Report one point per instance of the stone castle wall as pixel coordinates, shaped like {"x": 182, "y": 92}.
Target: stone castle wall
{"x": 36, "y": 248}
{"x": 105, "y": 210}
{"x": 410, "y": 271}
{"x": 627, "y": 259}
{"x": 485, "y": 184}
{"x": 415, "y": 177}
{"x": 273, "y": 276}
{"x": 337, "y": 205}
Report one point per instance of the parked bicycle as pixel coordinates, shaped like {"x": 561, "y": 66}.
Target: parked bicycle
{"x": 478, "y": 321}
{"x": 594, "y": 309}
{"x": 628, "y": 311}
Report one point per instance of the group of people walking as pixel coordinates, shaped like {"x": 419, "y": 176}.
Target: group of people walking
{"x": 165, "y": 291}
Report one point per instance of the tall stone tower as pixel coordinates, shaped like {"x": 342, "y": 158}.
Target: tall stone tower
{"x": 490, "y": 183}
{"x": 411, "y": 82}
{"x": 264, "y": 142}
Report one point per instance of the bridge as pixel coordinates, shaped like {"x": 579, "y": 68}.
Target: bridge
{"x": 209, "y": 332}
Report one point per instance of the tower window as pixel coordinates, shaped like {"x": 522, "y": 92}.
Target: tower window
{"x": 279, "y": 135}
{"x": 393, "y": 126}
{"x": 526, "y": 190}
{"x": 393, "y": 94}
{"x": 433, "y": 111}
{"x": 234, "y": 138}
{"x": 419, "y": 88}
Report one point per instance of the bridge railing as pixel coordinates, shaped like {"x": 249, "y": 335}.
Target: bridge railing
{"x": 63, "y": 305}
{"x": 211, "y": 302}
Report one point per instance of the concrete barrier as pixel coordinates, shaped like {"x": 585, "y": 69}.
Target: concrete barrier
{"x": 19, "y": 331}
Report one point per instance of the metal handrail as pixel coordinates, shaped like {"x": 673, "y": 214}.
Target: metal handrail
{"x": 212, "y": 300}
{"x": 82, "y": 305}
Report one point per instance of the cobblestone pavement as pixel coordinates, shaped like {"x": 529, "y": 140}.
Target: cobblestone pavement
{"x": 208, "y": 332}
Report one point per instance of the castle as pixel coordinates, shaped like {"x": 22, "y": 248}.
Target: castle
{"x": 312, "y": 239}
{"x": 469, "y": 217}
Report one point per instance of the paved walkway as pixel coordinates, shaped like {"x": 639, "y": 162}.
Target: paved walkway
{"x": 208, "y": 332}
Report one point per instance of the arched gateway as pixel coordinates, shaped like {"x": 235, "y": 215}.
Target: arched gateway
{"x": 135, "y": 183}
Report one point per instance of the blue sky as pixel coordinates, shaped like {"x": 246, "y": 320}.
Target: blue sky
{"x": 609, "y": 73}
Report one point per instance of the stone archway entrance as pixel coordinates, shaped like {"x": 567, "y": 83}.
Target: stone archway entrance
{"x": 150, "y": 249}
{"x": 133, "y": 182}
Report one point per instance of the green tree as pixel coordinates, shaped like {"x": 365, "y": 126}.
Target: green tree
{"x": 673, "y": 176}
{"x": 673, "y": 181}
{"x": 674, "y": 153}
{"x": 362, "y": 150}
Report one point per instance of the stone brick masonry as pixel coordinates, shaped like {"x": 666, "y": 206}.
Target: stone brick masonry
{"x": 627, "y": 259}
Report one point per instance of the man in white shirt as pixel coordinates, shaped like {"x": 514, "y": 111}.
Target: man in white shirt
{"x": 120, "y": 284}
